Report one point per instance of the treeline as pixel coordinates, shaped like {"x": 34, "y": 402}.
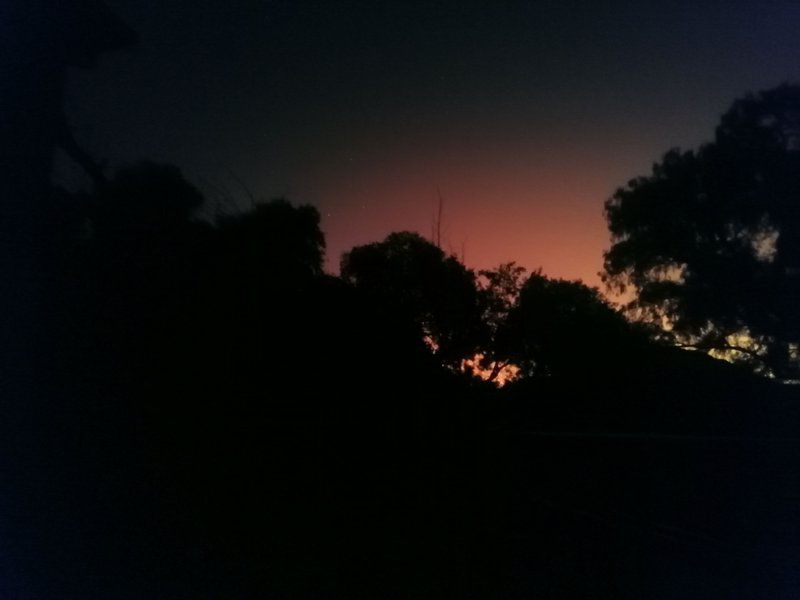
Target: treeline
{"x": 195, "y": 409}
{"x": 226, "y": 418}
{"x": 244, "y": 302}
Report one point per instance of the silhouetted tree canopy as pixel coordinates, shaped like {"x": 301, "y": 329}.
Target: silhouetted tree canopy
{"x": 709, "y": 241}
{"x": 229, "y": 417}
{"x": 415, "y": 279}
{"x": 275, "y": 236}
{"x": 560, "y": 327}
{"x": 145, "y": 199}
{"x": 499, "y": 293}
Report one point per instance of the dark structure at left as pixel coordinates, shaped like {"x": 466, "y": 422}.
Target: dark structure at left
{"x": 39, "y": 41}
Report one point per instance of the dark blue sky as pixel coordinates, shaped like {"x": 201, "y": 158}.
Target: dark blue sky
{"x": 526, "y": 115}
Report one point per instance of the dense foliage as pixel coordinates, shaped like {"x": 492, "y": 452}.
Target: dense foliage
{"x": 709, "y": 241}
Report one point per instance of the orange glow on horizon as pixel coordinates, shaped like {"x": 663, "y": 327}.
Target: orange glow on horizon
{"x": 536, "y": 215}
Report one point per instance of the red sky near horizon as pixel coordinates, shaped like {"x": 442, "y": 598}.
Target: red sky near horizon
{"x": 534, "y": 214}
{"x": 525, "y": 115}
{"x": 534, "y": 199}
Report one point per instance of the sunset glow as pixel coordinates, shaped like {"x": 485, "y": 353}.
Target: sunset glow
{"x": 526, "y": 118}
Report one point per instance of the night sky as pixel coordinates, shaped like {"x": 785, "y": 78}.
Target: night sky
{"x": 525, "y": 115}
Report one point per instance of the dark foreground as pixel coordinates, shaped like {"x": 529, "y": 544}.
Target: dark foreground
{"x": 519, "y": 502}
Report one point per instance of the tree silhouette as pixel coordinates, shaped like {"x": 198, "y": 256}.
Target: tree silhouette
{"x": 413, "y": 278}
{"x": 709, "y": 241}
{"x": 559, "y": 327}
{"x": 499, "y": 291}
{"x": 274, "y": 238}
{"x": 146, "y": 197}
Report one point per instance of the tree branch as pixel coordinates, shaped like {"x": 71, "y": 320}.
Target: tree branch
{"x": 723, "y": 346}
